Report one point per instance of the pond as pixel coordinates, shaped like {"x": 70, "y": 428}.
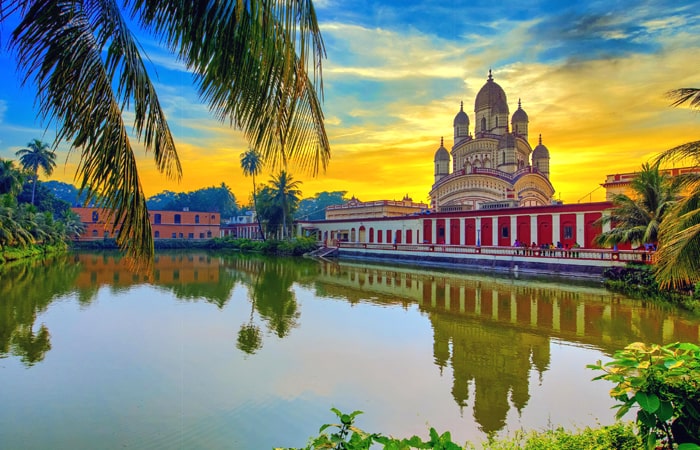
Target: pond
{"x": 233, "y": 351}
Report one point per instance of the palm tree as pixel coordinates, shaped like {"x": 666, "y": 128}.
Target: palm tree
{"x": 637, "y": 218}
{"x": 678, "y": 259}
{"x": 286, "y": 195}
{"x": 10, "y": 178}
{"x": 252, "y": 163}
{"x": 37, "y": 155}
{"x": 250, "y": 59}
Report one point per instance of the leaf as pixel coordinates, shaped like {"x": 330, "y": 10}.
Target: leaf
{"x": 649, "y": 402}
{"x": 673, "y": 364}
{"x": 651, "y": 441}
{"x": 647, "y": 419}
{"x": 434, "y": 437}
{"x": 665, "y": 411}
{"x": 688, "y": 446}
{"x": 639, "y": 346}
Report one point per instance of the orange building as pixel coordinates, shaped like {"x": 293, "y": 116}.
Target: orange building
{"x": 620, "y": 183}
{"x": 165, "y": 224}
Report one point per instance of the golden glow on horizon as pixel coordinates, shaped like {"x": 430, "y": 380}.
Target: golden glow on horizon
{"x": 596, "y": 117}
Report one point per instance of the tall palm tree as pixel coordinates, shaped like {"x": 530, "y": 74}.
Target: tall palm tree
{"x": 678, "y": 259}
{"x": 252, "y": 164}
{"x": 257, "y": 64}
{"x": 286, "y": 194}
{"x": 10, "y": 178}
{"x": 637, "y": 217}
{"x": 37, "y": 155}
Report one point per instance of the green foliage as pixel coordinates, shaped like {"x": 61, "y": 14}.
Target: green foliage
{"x": 640, "y": 281}
{"x": 66, "y": 192}
{"x": 314, "y": 208}
{"x": 619, "y": 436}
{"x": 212, "y": 199}
{"x": 346, "y": 436}
{"x": 664, "y": 383}
{"x": 289, "y": 247}
{"x": 636, "y": 218}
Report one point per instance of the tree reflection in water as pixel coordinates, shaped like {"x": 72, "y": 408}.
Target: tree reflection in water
{"x": 490, "y": 335}
{"x": 27, "y": 289}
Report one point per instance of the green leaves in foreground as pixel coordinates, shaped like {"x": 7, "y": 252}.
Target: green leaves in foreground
{"x": 664, "y": 383}
{"x": 348, "y": 437}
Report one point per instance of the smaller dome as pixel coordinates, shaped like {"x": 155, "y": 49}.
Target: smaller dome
{"x": 519, "y": 115}
{"x": 442, "y": 154}
{"x": 506, "y": 141}
{"x": 461, "y": 118}
{"x": 540, "y": 151}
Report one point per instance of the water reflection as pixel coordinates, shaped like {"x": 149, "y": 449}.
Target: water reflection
{"x": 493, "y": 332}
{"x": 492, "y": 336}
{"x": 27, "y": 288}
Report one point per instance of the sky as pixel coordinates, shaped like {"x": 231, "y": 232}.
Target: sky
{"x": 591, "y": 75}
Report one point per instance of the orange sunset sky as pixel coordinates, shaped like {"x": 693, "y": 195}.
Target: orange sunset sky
{"x": 592, "y": 77}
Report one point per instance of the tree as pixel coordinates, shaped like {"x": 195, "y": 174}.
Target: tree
{"x": 250, "y": 61}
{"x": 10, "y": 178}
{"x": 252, "y": 163}
{"x": 37, "y": 155}
{"x": 678, "y": 259}
{"x": 314, "y": 208}
{"x": 637, "y": 218}
{"x": 286, "y": 195}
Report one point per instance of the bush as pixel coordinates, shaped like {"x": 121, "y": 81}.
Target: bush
{"x": 638, "y": 281}
{"x": 664, "y": 383}
{"x": 345, "y": 435}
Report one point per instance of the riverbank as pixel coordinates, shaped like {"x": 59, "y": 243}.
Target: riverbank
{"x": 8, "y": 254}
{"x": 289, "y": 247}
{"x": 638, "y": 281}
{"x": 573, "y": 263}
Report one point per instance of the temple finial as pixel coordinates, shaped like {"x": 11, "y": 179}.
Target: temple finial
{"x": 540, "y": 138}
{"x": 519, "y": 104}
{"x": 442, "y": 143}
{"x": 490, "y": 76}
{"x": 461, "y": 106}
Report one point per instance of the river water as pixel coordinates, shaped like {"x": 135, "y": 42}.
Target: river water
{"x": 219, "y": 351}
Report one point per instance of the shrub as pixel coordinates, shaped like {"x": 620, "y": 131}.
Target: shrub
{"x": 664, "y": 382}
{"x": 345, "y": 435}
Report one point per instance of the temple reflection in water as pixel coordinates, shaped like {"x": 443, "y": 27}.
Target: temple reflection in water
{"x": 490, "y": 334}
{"x": 494, "y": 332}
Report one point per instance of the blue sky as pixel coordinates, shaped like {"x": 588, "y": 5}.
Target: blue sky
{"x": 591, "y": 76}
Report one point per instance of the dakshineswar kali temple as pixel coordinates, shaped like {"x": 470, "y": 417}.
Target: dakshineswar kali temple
{"x": 495, "y": 167}
{"x": 491, "y": 189}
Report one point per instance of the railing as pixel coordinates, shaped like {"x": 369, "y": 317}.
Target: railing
{"x": 555, "y": 253}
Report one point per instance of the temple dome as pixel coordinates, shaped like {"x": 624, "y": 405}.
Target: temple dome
{"x": 461, "y": 118}
{"x": 520, "y": 115}
{"x": 491, "y": 96}
{"x": 540, "y": 151}
{"x": 442, "y": 154}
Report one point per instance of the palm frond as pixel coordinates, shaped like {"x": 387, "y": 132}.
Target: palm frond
{"x": 690, "y": 151}
{"x": 677, "y": 260}
{"x": 57, "y": 44}
{"x": 685, "y": 95}
{"x": 251, "y": 64}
